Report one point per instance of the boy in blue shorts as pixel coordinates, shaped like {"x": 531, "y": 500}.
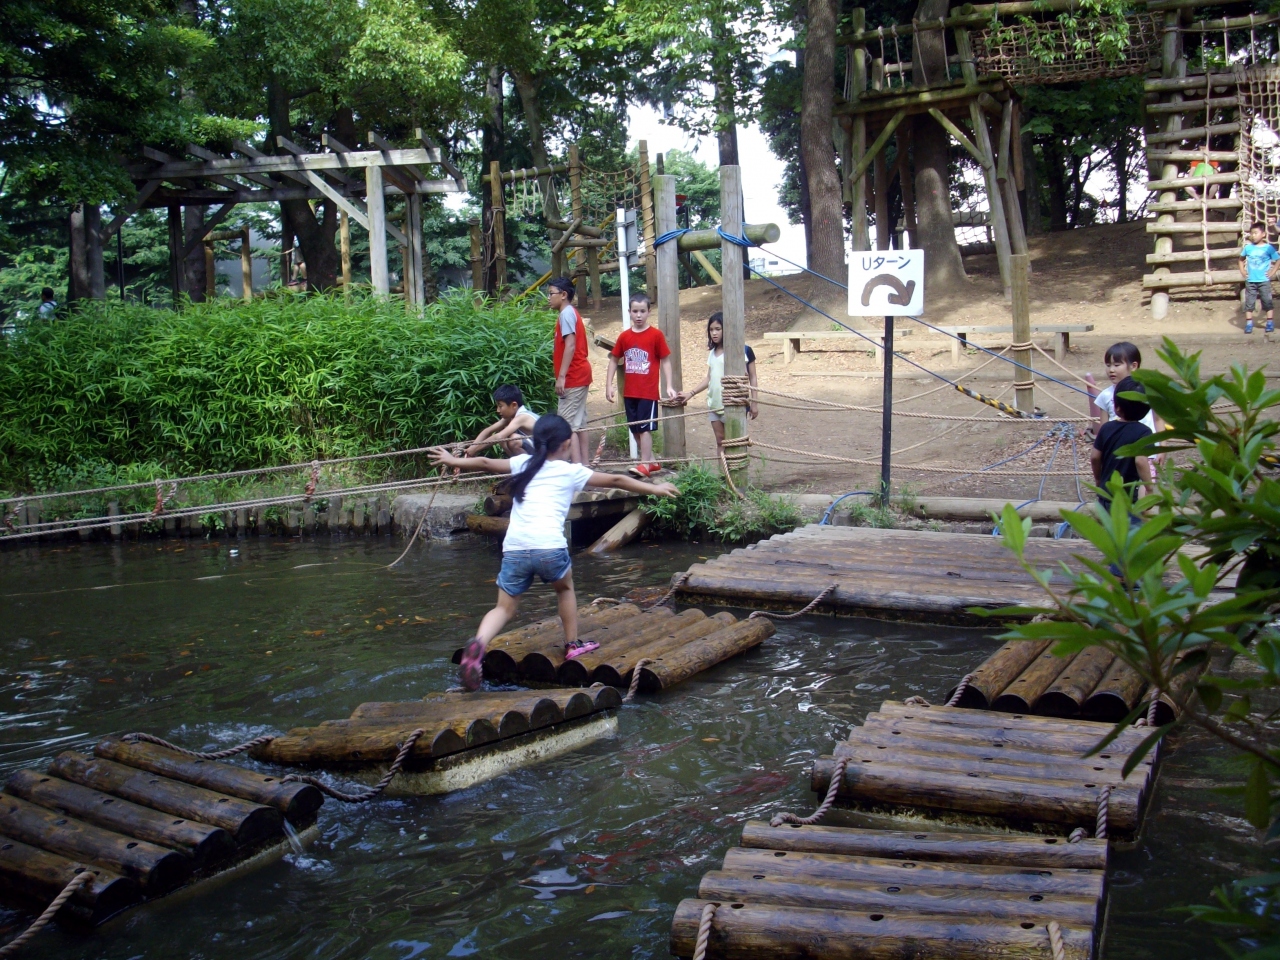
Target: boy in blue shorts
{"x": 1258, "y": 267}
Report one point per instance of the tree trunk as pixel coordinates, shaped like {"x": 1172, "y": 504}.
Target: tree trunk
{"x": 802, "y": 175}
{"x": 1055, "y": 178}
{"x": 1120, "y": 161}
{"x": 826, "y": 233}
{"x": 1030, "y": 194}
{"x": 727, "y": 134}
{"x": 85, "y": 280}
{"x": 314, "y": 237}
{"x": 931, "y": 153}
{"x": 490, "y": 149}
{"x": 193, "y": 265}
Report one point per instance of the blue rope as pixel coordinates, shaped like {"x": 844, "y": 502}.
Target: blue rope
{"x": 945, "y": 333}
{"x": 737, "y": 241}
{"x": 671, "y": 235}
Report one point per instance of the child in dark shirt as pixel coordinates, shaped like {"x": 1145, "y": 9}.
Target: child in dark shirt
{"x": 1113, "y": 435}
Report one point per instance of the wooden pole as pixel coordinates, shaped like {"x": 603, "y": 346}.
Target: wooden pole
{"x": 477, "y": 257}
{"x": 1024, "y": 397}
{"x": 246, "y": 266}
{"x": 1171, "y": 65}
{"x": 646, "y": 225}
{"x": 668, "y": 276}
{"x": 344, "y": 239}
{"x": 858, "y": 193}
{"x": 413, "y": 227}
{"x": 1008, "y": 182}
{"x": 575, "y": 198}
{"x": 499, "y": 225}
{"x": 376, "y": 204}
{"x": 177, "y": 241}
{"x": 733, "y": 305}
{"x": 210, "y": 274}
{"x": 886, "y": 415}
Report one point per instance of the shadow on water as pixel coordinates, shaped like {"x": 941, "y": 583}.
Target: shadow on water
{"x": 585, "y": 856}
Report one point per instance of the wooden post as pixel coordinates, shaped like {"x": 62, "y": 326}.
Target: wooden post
{"x": 477, "y": 257}
{"x": 413, "y": 227}
{"x": 886, "y": 416}
{"x": 499, "y": 226}
{"x": 1024, "y": 396}
{"x": 982, "y": 140}
{"x": 1171, "y": 65}
{"x": 733, "y": 305}
{"x": 210, "y": 276}
{"x": 858, "y": 191}
{"x": 344, "y": 240}
{"x": 286, "y": 258}
{"x": 377, "y": 206}
{"x": 177, "y": 240}
{"x": 575, "y": 195}
{"x": 246, "y": 266}
{"x": 646, "y": 217}
{"x": 668, "y": 289}
{"x": 1008, "y": 186}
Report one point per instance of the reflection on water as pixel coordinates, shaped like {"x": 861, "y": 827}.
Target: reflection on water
{"x": 584, "y": 856}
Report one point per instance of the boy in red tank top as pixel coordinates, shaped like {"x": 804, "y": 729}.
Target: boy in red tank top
{"x": 643, "y": 352}
{"x": 572, "y": 366}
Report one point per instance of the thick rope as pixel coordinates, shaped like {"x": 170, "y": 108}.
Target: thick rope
{"x": 635, "y": 679}
{"x": 1150, "y": 719}
{"x": 736, "y": 391}
{"x": 799, "y": 613}
{"x": 1078, "y": 834}
{"x": 1055, "y": 940}
{"x": 704, "y": 931}
{"x": 1104, "y": 801}
{"x": 369, "y": 793}
{"x": 676, "y": 584}
{"x": 961, "y": 687}
{"x": 837, "y": 778}
{"x": 42, "y": 921}
{"x": 214, "y": 755}
{"x": 421, "y": 524}
{"x": 866, "y": 462}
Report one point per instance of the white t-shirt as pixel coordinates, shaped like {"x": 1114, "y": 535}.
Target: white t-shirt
{"x": 537, "y": 521}
{"x": 1106, "y": 402}
{"x": 522, "y": 410}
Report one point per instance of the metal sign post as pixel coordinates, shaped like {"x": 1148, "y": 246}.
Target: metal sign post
{"x": 886, "y": 284}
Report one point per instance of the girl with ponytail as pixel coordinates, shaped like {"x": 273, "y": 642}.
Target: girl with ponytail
{"x": 542, "y": 489}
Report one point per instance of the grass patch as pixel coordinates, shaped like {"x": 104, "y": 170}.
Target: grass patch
{"x": 707, "y": 507}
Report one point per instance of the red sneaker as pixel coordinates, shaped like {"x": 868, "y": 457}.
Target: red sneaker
{"x": 655, "y": 467}
{"x": 641, "y": 470}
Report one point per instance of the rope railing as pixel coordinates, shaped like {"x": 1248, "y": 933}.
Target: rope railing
{"x": 51, "y": 911}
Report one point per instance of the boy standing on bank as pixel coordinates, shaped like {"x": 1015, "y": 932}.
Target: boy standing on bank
{"x": 643, "y": 352}
{"x": 572, "y": 366}
{"x": 1258, "y": 261}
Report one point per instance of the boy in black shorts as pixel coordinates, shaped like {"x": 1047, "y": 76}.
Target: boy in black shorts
{"x": 643, "y": 352}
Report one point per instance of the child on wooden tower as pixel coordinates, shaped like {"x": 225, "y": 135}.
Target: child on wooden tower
{"x": 542, "y": 489}
{"x": 514, "y": 427}
{"x": 1258, "y": 265}
{"x": 642, "y": 351}
{"x": 713, "y": 382}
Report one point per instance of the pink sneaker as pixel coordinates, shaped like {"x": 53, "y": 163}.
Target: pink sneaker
{"x": 472, "y": 669}
{"x": 579, "y": 647}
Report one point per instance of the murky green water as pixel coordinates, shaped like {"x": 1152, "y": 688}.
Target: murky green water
{"x": 585, "y": 856}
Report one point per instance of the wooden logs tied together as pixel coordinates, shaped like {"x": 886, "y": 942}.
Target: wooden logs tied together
{"x": 33, "y": 876}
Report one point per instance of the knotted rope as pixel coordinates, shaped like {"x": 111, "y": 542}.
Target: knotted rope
{"x": 736, "y": 391}
{"x": 704, "y": 931}
{"x": 837, "y": 777}
{"x": 961, "y": 687}
{"x": 1078, "y": 834}
{"x": 370, "y": 792}
{"x": 213, "y": 755}
{"x": 421, "y": 524}
{"x": 1055, "y": 940}
{"x": 799, "y": 613}
{"x": 635, "y": 679}
{"x": 739, "y": 460}
{"x": 1104, "y": 801}
{"x": 1150, "y": 719}
{"x": 162, "y": 498}
{"x": 676, "y": 584}
{"x": 313, "y": 481}
{"x": 42, "y": 921}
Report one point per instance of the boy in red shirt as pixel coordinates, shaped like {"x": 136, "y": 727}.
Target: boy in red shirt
{"x": 643, "y": 351}
{"x": 572, "y": 365}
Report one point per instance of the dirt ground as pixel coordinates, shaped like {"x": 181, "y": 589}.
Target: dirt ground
{"x": 1090, "y": 275}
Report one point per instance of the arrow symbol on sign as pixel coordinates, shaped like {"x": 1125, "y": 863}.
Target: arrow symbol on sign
{"x": 902, "y": 295}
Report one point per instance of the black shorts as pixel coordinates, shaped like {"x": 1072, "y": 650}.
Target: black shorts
{"x": 641, "y": 414}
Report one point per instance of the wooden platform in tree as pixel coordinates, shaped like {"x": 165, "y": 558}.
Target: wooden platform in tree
{"x": 818, "y": 891}
{"x": 665, "y": 646}
{"x": 146, "y": 821}
{"x": 901, "y": 572}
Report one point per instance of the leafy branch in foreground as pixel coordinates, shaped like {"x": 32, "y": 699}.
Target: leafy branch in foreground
{"x": 1158, "y": 592}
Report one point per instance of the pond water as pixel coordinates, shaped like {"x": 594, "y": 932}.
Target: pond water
{"x": 584, "y": 856}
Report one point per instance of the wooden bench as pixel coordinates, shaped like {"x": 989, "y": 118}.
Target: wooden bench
{"x": 1061, "y": 335}
{"x": 791, "y": 339}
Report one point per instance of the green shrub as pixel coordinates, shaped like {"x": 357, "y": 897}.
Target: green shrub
{"x": 707, "y": 507}
{"x": 227, "y": 386}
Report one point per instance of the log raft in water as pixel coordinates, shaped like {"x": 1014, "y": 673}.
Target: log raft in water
{"x": 34, "y": 875}
{"x": 1031, "y": 683}
{"x": 1116, "y": 694}
{"x": 617, "y": 638}
{"x": 1071, "y": 688}
{"x": 248, "y": 823}
{"x": 618, "y": 665}
{"x": 771, "y": 932}
{"x": 1000, "y": 669}
{"x": 507, "y": 651}
{"x": 678, "y": 665}
{"x": 297, "y": 801}
{"x": 205, "y": 844}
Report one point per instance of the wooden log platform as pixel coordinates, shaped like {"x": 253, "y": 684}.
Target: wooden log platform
{"x": 146, "y": 821}
{"x": 668, "y": 647}
{"x": 841, "y": 892}
{"x": 983, "y": 767}
{"x": 469, "y": 738}
{"x": 896, "y": 572}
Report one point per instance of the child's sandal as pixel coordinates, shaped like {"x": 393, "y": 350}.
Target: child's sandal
{"x": 579, "y": 647}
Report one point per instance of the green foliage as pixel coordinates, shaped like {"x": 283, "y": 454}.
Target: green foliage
{"x": 232, "y": 385}
{"x": 707, "y": 507}
{"x": 1145, "y": 600}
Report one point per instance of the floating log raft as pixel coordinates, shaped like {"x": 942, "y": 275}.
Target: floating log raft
{"x": 818, "y": 891}
{"x": 978, "y": 765}
{"x": 903, "y": 572}
{"x": 469, "y": 737}
{"x": 1025, "y": 677}
{"x": 668, "y": 647}
{"x": 144, "y": 820}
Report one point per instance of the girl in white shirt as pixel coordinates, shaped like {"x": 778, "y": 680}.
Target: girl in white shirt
{"x": 542, "y": 490}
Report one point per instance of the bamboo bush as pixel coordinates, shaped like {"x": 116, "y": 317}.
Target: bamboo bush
{"x": 116, "y": 389}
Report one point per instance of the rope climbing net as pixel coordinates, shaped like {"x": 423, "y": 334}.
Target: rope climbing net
{"x": 1258, "y": 93}
{"x": 1068, "y": 49}
{"x": 603, "y": 192}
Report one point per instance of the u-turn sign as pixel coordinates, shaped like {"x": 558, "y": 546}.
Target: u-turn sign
{"x": 886, "y": 283}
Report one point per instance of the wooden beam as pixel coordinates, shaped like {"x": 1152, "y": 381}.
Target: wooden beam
{"x": 918, "y": 101}
{"x": 956, "y": 132}
{"x": 1193, "y": 133}
{"x": 200, "y": 152}
{"x": 354, "y": 208}
{"x": 255, "y": 161}
{"x": 144, "y": 194}
{"x": 380, "y": 142}
{"x": 204, "y": 197}
{"x": 878, "y": 144}
{"x": 712, "y": 272}
{"x": 668, "y": 290}
{"x": 209, "y": 224}
{"x": 376, "y": 222}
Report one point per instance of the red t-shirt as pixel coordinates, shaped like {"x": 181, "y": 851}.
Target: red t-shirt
{"x": 579, "y": 367}
{"x": 641, "y": 355}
